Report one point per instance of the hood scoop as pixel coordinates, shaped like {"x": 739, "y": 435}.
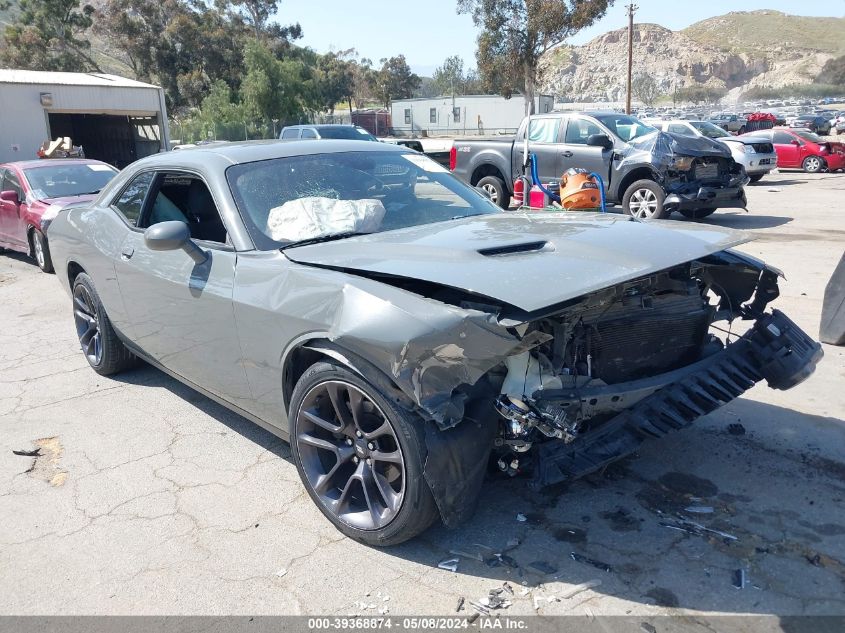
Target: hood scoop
{"x": 513, "y": 249}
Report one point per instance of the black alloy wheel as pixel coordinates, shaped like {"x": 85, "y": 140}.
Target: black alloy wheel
{"x": 350, "y": 455}
{"x": 86, "y": 317}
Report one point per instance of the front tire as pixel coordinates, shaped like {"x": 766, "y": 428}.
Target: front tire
{"x": 756, "y": 177}
{"x": 41, "y": 251}
{"x": 103, "y": 350}
{"x": 644, "y": 200}
{"x": 812, "y": 164}
{"x": 360, "y": 456}
{"x": 495, "y": 187}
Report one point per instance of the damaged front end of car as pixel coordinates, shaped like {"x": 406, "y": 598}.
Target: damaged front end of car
{"x": 619, "y": 366}
{"x": 695, "y": 172}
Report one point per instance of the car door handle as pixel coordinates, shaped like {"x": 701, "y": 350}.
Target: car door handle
{"x": 127, "y": 252}
{"x": 567, "y": 154}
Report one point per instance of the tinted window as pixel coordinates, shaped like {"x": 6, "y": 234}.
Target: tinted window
{"x": 290, "y": 133}
{"x": 10, "y": 183}
{"x": 348, "y": 132}
{"x": 709, "y": 130}
{"x": 130, "y": 203}
{"x": 543, "y": 130}
{"x": 680, "y": 129}
{"x": 308, "y": 133}
{"x": 578, "y": 130}
{"x": 782, "y": 138}
{"x": 407, "y": 115}
{"x": 625, "y": 126}
{"x": 432, "y": 115}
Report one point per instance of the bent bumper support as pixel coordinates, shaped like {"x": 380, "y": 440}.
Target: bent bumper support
{"x": 775, "y": 350}
{"x": 719, "y": 198}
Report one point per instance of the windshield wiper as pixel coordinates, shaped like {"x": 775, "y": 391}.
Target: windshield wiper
{"x": 322, "y": 238}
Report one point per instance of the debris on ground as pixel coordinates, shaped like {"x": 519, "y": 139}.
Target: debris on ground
{"x": 507, "y": 587}
{"x": 501, "y": 560}
{"x": 521, "y": 518}
{"x": 740, "y": 579}
{"x": 450, "y": 564}
{"x": 458, "y": 552}
{"x": 25, "y": 453}
{"x": 574, "y": 591}
{"x": 699, "y": 509}
{"x": 281, "y": 572}
{"x": 543, "y": 567}
{"x": 590, "y": 561}
{"x": 384, "y": 610}
{"x": 479, "y": 608}
{"x": 460, "y": 606}
{"x": 472, "y": 618}
{"x": 696, "y": 529}
{"x": 647, "y": 628}
{"x": 736, "y": 429}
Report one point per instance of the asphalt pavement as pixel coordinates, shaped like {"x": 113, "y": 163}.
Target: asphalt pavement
{"x": 148, "y": 498}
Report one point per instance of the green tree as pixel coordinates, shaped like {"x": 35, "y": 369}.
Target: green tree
{"x": 645, "y": 88}
{"x": 256, "y": 13}
{"x": 394, "y": 80}
{"x": 515, "y": 33}
{"x": 50, "y": 35}
{"x": 336, "y": 80}
{"x": 276, "y": 89}
{"x": 449, "y": 77}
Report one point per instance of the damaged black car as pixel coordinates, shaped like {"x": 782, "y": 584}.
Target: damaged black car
{"x": 405, "y": 334}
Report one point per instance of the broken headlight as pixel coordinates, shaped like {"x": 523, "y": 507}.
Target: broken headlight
{"x": 682, "y": 163}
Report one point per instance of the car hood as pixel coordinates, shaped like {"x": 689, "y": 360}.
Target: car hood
{"x": 527, "y": 260}
{"x": 49, "y": 208}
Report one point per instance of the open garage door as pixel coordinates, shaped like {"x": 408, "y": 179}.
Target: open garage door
{"x": 117, "y": 140}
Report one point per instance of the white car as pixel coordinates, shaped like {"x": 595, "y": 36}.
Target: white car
{"x": 756, "y": 155}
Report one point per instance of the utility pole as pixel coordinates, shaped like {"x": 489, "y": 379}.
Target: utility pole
{"x": 631, "y": 9}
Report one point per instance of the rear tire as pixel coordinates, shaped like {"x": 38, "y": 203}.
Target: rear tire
{"x": 813, "y": 164}
{"x": 344, "y": 433}
{"x": 697, "y": 214}
{"x": 41, "y": 251}
{"x": 495, "y": 186}
{"x": 644, "y": 200}
{"x": 103, "y": 350}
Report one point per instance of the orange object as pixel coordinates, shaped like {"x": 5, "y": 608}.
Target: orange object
{"x": 579, "y": 190}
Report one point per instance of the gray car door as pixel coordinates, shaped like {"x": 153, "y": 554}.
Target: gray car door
{"x": 576, "y": 153}
{"x": 180, "y": 313}
{"x": 543, "y": 141}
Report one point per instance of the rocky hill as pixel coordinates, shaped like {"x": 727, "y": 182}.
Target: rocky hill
{"x": 735, "y": 51}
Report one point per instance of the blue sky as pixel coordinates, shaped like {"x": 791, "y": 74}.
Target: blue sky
{"x": 428, "y": 31}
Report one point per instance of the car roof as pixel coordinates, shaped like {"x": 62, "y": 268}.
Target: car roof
{"x": 319, "y": 126}
{"x": 251, "y": 151}
{"x": 47, "y": 162}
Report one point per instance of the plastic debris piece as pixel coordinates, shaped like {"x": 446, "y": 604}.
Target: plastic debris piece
{"x": 383, "y": 610}
{"x": 385, "y": 599}
{"x": 774, "y": 190}
{"x": 537, "y": 601}
{"x": 699, "y": 509}
{"x": 574, "y": 591}
{"x": 736, "y": 429}
{"x": 512, "y": 544}
{"x": 521, "y": 518}
{"x": 480, "y": 608}
{"x": 740, "y": 579}
{"x": 524, "y": 591}
{"x": 460, "y": 606}
{"x": 33, "y": 453}
{"x": 647, "y": 628}
{"x": 696, "y": 529}
{"x": 543, "y": 567}
{"x": 457, "y": 552}
{"x": 450, "y": 564}
{"x": 590, "y": 561}
{"x": 281, "y": 572}
{"x": 501, "y": 560}
{"x": 473, "y": 617}
{"x": 507, "y": 587}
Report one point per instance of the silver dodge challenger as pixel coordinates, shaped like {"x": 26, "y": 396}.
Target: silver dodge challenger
{"x": 406, "y": 335}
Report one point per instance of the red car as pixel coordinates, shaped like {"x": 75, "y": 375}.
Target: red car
{"x": 33, "y": 192}
{"x": 802, "y": 149}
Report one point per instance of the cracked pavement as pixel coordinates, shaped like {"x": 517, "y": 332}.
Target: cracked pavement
{"x": 149, "y": 498}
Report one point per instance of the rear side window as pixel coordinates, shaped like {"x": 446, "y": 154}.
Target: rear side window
{"x": 543, "y": 130}
{"x": 290, "y": 133}
{"x": 309, "y": 133}
{"x": 131, "y": 200}
{"x": 782, "y": 138}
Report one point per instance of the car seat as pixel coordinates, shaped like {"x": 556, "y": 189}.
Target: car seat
{"x": 203, "y": 217}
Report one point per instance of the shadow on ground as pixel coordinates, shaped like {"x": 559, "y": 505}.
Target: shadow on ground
{"x": 742, "y": 220}
{"x": 743, "y": 489}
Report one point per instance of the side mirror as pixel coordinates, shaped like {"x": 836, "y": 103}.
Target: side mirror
{"x": 9, "y": 196}
{"x": 173, "y": 235}
{"x": 600, "y": 140}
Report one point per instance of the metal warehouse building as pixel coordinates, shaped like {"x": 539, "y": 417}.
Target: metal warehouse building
{"x": 114, "y": 119}
{"x": 466, "y": 114}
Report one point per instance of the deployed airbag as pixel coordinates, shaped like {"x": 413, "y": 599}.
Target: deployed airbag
{"x": 306, "y": 218}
